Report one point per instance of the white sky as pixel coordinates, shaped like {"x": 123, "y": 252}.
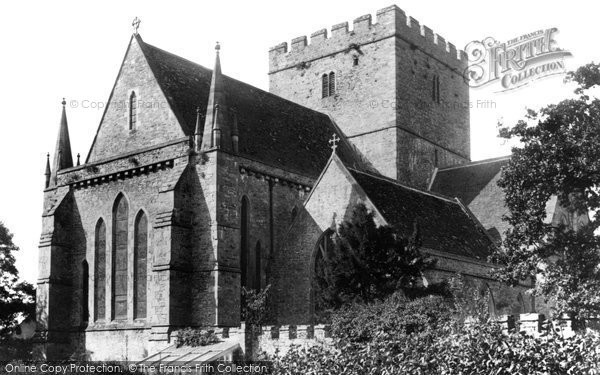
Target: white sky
{"x": 74, "y": 49}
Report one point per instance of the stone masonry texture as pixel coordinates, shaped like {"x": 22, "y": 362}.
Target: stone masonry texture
{"x": 383, "y": 105}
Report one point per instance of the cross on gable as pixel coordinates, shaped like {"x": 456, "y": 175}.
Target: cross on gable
{"x": 333, "y": 142}
{"x": 136, "y": 24}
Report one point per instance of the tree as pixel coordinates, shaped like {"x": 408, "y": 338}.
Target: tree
{"x": 558, "y": 156}
{"x": 366, "y": 262}
{"x": 17, "y": 298}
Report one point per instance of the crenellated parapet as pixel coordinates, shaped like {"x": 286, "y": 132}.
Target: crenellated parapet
{"x": 278, "y": 339}
{"x": 390, "y": 22}
{"x": 534, "y": 324}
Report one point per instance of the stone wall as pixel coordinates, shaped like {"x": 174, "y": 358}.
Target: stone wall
{"x": 294, "y": 261}
{"x": 156, "y": 122}
{"x": 384, "y": 100}
{"x": 278, "y": 339}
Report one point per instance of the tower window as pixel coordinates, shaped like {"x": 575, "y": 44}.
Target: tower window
{"x": 325, "y": 88}
{"x": 331, "y": 83}
{"x": 355, "y": 60}
{"x": 328, "y": 84}
{"x": 132, "y": 111}
{"x": 435, "y": 89}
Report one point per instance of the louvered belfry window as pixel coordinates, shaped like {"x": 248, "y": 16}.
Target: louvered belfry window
{"x": 331, "y": 83}
{"x": 328, "y": 84}
{"x": 325, "y": 87}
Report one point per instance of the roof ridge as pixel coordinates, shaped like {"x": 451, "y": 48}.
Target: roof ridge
{"x": 172, "y": 54}
{"x": 395, "y": 182}
{"x": 232, "y": 78}
{"x": 475, "y": 163}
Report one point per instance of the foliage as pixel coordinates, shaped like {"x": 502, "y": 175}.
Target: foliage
{"x": 12, "y": 348}
{"x": 469, "y": 301}
{"x": 558, "y": 156}
{"x": 17, "y": 298}
{"x": 196, "y": 337}
{"x": 255, "y": 306}
{"x": 476, "y": 349}
{"x": 367, "y": 262}
{"x": 391, "y": 319}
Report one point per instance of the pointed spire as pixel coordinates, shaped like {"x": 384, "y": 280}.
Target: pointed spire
{"x": 62, "y": 155}
{"x": 48, "y": 172}
{"x": 214, "y": 123}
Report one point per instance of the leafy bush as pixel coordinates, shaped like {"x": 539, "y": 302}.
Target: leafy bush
{"x": 11, "y": 349}
{"x": 392, "y": 318}
{"x": 478, "y": 349}
{"x": 17, "y": 297}
{"x": 426, "y": 336}
{"x": 196, "y": 337}
{"x": 255, "y": 306}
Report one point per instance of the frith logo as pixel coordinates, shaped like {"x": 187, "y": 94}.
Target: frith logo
{"x": 515, "y": 63}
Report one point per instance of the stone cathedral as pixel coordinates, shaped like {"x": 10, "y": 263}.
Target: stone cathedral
{"x": 197, "y": 184}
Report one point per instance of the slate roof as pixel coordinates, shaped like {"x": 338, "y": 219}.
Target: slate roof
{"x": 475, "y": 184}
{"x": 444, "y": 223}
{"x": 467, "y": 181}
{"x": 272, "y": 130}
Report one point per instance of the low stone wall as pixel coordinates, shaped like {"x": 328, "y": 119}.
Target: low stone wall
{"x": 278, "y": 339}
{"x": 537, "y": 324}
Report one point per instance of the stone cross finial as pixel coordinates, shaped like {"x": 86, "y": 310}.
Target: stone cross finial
{"x": 136, "y": 25}
{"x": 333, "y": 142}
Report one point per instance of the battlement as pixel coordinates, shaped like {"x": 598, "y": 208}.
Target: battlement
{"x": 391, "y": 21}
{"x": 278, "y": 339}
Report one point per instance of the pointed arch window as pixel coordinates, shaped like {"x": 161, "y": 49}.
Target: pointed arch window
{"x": 85, "y": 297}
{"x": 140, "y": 255}
{"x": 133, "y": 107}
{"x": 119, "y": 259}
{"x": 323, "y": 247}
{"x": 100, "y": 271}
{"x": 244, "y": 241}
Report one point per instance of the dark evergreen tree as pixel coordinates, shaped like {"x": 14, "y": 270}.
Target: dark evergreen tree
{"x": 366, "y": 262}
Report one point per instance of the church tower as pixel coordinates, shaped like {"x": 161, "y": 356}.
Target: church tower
{"x": 394, "y": 88}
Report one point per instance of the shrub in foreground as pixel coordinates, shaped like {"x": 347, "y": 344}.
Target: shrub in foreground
{"x": 479, "y": 349}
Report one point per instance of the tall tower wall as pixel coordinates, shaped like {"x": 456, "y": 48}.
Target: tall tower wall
{"x": 399, "y": 93}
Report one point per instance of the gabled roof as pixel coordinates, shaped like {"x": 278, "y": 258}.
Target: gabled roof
{"x": 476, "y": 185}
{"x": 468, "y": 180}
{"x": 445, "y": 224}
{"x": 272, "y": 130}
